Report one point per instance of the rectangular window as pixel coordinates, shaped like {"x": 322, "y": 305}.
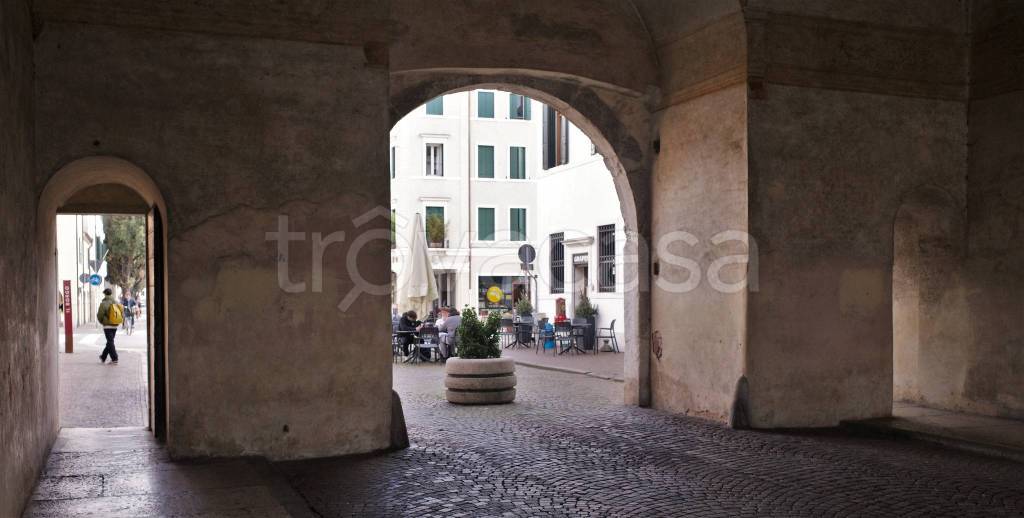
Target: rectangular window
{"x": 606, "y": 258}
{"x": 517, "y": 225}
{"x": 434, "y": 227}
{"x": 394, "y": 240}
{"x": 485, "y": 161}
{"x": 485, "y": 105}
{"x": 485, "y": 224}
{"x": 558, "y": 263}
{"x": 556, "y": 138}
{"x": 435, "y": 159}
{"x": 518, "y": 107}
{"x": 435, "y": 106}
{"x": 392, "y": 161}
{"x": 517, "y": 163}
{"x": 499, "y": 293}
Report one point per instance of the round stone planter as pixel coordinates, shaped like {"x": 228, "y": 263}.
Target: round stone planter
{"x": 480, "y": 382}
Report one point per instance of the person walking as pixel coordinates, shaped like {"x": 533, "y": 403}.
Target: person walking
{"x": 110, "y": 315}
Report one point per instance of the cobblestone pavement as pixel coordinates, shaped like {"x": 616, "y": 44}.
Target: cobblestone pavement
{"x": 94, "y": 394}
{"x": 568, "y": 448}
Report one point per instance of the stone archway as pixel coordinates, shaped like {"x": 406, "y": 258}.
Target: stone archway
{"x": 96, "y": 175}
{"x": 616, "y": 120}
{"x": 930, "y": 328}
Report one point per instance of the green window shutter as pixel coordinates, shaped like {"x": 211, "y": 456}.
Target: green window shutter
{"x": 435, "y": 106}
{"x": 485, "y": 161}
{"x": 392, "y": 161}
{"x": 517, "y": 163}
{"x": 485, "y": 105}
{"x": 485, "y": 224}
{"x": 517, "y": 224}
{"x": 526, "y": 102}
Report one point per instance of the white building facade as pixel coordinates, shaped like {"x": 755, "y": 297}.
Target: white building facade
{"x": 501, "y": 170}
{"x": 80, "y": 254}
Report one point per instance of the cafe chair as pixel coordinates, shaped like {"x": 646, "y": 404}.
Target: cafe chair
{"x": 609, "y": 334}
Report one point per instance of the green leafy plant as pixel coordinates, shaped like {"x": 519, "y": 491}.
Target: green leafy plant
{"x": 524, "y": 307}
{"x": 435, "y": 228}
{"x": 125, "y": 241}
{"x": 584, "y": 309}
{"x": 478, "y": 339}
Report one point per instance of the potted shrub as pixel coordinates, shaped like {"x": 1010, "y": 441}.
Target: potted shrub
{"x": 479, "y": 375}
{"x": 588, "y": 312}
{"x": 435, "y": 229}
{"x": 524, "y": 307}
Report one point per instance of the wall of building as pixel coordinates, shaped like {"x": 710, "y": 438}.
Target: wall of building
{"x": 461, "y": 192}
{"x": 574, "y": 199}
{"x": 74, "y": 253}
{"x": 236, "y": 132}
{"x": 698, "y": 189}
{"x": 28, "y": 365}
{"x": 838, "y": 137}
{"x": 990, "y": 378}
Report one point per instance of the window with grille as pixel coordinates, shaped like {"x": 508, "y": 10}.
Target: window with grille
{"x": 558, "y": 263}
{"x": 606, "y": 258}
{"x": 518, "y": 107}
{"x": 435, "y": 159}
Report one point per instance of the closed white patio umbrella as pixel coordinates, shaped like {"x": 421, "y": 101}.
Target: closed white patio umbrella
{"x": 417, "y": 286}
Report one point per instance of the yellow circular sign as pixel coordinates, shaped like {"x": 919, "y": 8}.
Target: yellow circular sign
{"x": 494, "y": 294}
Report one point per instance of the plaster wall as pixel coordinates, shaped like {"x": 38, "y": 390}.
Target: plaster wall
{"x": 700, "y": 188}
{"x": 28, "y": 366}
{"x": 237, "y": 132}
{"x": 991, "y": 378}
{"x": 828, "y": 171}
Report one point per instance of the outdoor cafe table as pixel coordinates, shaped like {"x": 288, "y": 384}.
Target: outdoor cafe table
{"x": 578, "y": 333}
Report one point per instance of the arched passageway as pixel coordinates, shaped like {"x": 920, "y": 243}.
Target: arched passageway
{"x": 931, "y": 327}
{"x": 616, "y": 139}
{"x": 110, "y": 185}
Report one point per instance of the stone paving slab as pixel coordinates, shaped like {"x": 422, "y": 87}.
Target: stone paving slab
{"x": 97, "y": 395}
{"x": 983, "y": 434}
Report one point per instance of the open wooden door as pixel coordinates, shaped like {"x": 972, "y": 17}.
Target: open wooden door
{"x": 156, "y": 313}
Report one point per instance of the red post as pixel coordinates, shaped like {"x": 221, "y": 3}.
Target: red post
{"x": 69, "y": 346}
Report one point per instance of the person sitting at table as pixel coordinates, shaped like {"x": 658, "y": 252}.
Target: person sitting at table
{"x": 407, "y": 325}
{"x": 449, "y": 324}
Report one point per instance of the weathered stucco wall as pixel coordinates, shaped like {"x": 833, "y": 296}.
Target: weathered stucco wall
{"x": 850, "y": 110}
{"x": 828, "y": 169}
{"x": 28, "y": 367}
{"x": 958, "y": 267}
{"x": 931, "y": 330}
{"x": 991, "y": 377}
{"x": 700, "y": 190}
{"x": 236, "y": 132}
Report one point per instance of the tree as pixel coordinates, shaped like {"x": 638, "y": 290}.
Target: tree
{"x": 125, "y": 239}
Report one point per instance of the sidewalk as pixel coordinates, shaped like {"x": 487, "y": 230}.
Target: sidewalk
{"x": 102, "y": 395}
{"x": 603, "y": 365}
{"x": 992, "y": 436}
